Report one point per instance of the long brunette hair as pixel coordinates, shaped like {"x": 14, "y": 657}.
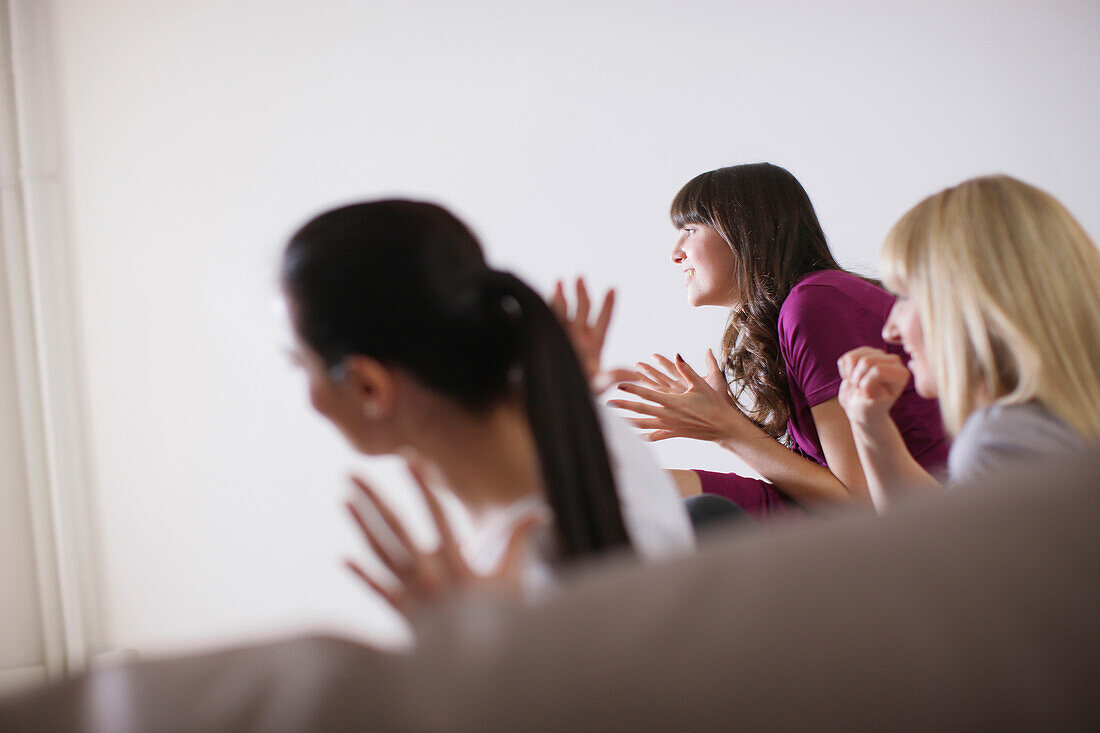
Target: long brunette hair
{"x": 765, "y": 216}
{"x": 406, "y": 283}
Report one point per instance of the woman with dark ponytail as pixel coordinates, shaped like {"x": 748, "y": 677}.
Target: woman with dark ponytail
{"x": 414, "y": 346}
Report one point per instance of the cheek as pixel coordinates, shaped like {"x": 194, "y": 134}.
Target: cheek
{"x": 718, "y": 258}
{"x": 915, "y": 333}
{"x": 924, "y": 384}
{"x": 321, "y": 398}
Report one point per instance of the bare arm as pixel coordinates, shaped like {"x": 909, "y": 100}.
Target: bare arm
{"x": 872, "y": 382}
{"x": 839, "y": 446}
{"x": 687, "y": 482}
{"x": 891, "y": 470}
{"x": 693, "y": 407}
{"x": 802, "y": 479}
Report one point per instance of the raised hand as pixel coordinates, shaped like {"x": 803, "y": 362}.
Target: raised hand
{"x": 427, "y": 577}
{"x": 683, "y": 404}
{"x": 873, "y": 380}
{"x": 588, "y": 338}
{"x": 671, "y": 381}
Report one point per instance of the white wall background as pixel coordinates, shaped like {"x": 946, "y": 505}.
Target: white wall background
{"x": 200, "y": 132}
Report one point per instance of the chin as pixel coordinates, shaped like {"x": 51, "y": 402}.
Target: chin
{"x": 925, "y": 387}
{"x": 698, "y": 300}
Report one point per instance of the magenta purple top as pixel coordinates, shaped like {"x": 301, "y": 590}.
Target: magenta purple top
{"x": 825, "y": 315}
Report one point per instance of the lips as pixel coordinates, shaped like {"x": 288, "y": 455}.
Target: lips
{"x": 689, "y": 273}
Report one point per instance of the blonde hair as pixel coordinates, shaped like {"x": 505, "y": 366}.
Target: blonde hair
{"x": 1007, "y": 286}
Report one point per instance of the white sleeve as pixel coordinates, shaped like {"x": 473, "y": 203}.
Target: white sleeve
{"x": 653, "y": 511}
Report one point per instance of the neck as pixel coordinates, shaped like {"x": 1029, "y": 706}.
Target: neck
{"x": 486, "y": 459}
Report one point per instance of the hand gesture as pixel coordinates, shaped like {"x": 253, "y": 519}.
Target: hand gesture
{"x": 588, "y": 338}
{"x": 873, "y": 380}
{"x": 427, "y": 577}
{"x": 671, "y": 381}
{"x": 686, "y": 405}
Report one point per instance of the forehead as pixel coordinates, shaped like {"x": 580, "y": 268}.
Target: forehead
{"x": 279, "y": 310}
{"x": 286, "y": 336}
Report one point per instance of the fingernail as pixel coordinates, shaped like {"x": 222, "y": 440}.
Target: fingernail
{"x": 679, "y": 358}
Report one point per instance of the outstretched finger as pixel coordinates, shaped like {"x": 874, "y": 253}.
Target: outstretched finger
{"x": 659, "y": 435}
{"x": 377, "y": 587}
{"x": 689, "y": 374}
{"x": 660, "y": 398}
{"x": 583, "y": 303}
{"x": 557, "y": 302}
{"x": 605, "y": 380}
{"x": 645, "y": 380}
{"x": 603, "y": 318}
{"x": 647, "y": 423}
{"x": 656, "y": 376}
{"x": 641, "y": 408}
{"x": 716, "y": 378}
{"x": 375, "y": 545}
{"x": 447, "y": 543}
{"x": 623, "y": 375}
{"x": 712, "y": 364}
{"x": 388, "y": 517}
{"x": 669, "y": 367}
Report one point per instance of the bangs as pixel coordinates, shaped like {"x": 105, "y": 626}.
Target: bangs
{"x": 907, "y": 248}
{"x": 694, "y": 203}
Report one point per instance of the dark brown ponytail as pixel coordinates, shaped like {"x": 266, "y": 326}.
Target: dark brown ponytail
{"x": 406, "y": 283}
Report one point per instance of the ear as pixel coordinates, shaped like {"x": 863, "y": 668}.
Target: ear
{"x": 373, "y": 385}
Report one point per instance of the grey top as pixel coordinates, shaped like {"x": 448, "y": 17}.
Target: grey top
{"x": 1008, "y": 437}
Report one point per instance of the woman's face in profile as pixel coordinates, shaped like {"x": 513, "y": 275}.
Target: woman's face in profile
{"x": 329, "y": 395}
{"x": 903, "y": 327}
{"x": 708, "y": 265}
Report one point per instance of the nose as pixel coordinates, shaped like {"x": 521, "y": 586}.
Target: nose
{"x": 678, "y": 255}
{"x": 890, "y": 333}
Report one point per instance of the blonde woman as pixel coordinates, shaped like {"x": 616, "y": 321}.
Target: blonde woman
{"x": 998, "y": 310}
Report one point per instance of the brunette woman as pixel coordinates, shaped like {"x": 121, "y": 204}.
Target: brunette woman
{"x": 749, "y": 240}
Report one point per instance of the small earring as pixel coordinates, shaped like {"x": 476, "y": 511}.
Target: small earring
{"x": 337, "y": 372}
{"x": 371, "y": 409}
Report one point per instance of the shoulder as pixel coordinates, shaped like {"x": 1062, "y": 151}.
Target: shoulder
{"x": 1003, "y": 435}
{"x": 831, "y": 291}
{"x": 1026, "y": 422}
{"x": 835, "y": 311}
